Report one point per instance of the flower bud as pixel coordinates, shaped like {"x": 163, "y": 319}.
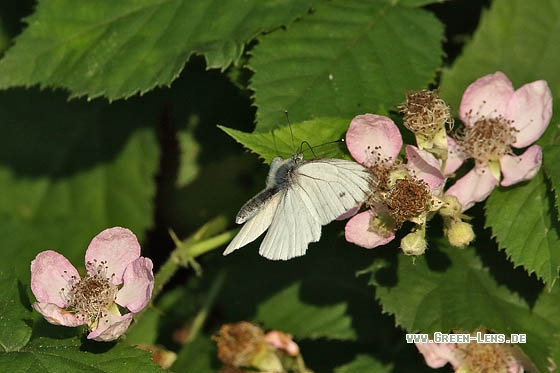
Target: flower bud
{"x": 459, "y": 233}
{"x": 414, "y": 243}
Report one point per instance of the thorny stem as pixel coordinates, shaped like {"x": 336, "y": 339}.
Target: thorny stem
{"x": 185, "y": 252}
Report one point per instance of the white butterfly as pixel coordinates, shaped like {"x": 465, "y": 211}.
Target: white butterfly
{"x": 300, "y": 196}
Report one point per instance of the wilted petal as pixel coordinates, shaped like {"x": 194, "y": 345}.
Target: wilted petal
{"x": 56, "y": 315}
{"x": 439, "y": 354}
{"x": 118, "y": 247}
{"x": 516, "y": 169}
{"x": 530, "y": 108}
{"x": 138, "y": 283}
{"x": 486, "y": 97}
{"x": 455, "y": 157}
{"x": 111, "y": 327}
{"x": 50, "y": 273}
{"x": 282, "y": 341}
{"x": 425, "y": 166}
{"x": 474, "y": 187}
{"x": 357, "y": 231}
{"x": 370, "y": 135}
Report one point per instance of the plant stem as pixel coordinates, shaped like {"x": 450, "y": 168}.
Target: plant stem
{"x": 184, "y": 253}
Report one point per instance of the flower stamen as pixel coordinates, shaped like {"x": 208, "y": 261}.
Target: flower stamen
{"x": 488, "y": 139}
{"x": 90, "y": 298}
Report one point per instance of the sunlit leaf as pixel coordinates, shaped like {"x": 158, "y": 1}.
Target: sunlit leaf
{"x": 117, "y": 49}
{"x": 348, "y": 57}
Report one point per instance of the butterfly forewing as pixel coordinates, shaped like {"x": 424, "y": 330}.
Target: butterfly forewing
{"x": 255, "y": 226}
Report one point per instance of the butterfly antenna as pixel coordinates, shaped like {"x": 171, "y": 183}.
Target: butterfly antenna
{"x": 291, "y": 132}
{"x": 310, "y": 148}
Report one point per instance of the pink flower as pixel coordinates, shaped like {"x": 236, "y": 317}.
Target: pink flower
{"x": 474, "y": 356}
{"x": 497, "y": 118}
{"x": 116, "y": 275}
{"x": 404, "y": 192}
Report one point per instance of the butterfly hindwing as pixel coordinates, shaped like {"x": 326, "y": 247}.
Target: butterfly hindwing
{"x": 293, "y": 227}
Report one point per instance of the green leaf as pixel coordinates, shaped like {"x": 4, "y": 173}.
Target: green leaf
{"x": 14, "y": 316}
{"x": 306, "y": 320}
{"x": 449, "y": 289}
{"x": 315, "y": 134}
{"x": 515, "y": 37}
{"x": 119, "y": 49}
{"x": 51, "y": 355}
{"x": 523, "y": 222}
{"x": 86, "y": 167}
{"x": 199, "y": 355}
{"x": 346, "y": 58}
{"x": 364, "y": 363}
{"x": 551, "y": 167}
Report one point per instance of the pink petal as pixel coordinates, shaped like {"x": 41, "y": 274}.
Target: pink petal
{"x": 348, "y": 214}
{"x": 474, "y": 187}
{"x": 371, "y": 135}
{"x": 531, "y": 109}
{"x": 56, "y": 315}
{"x": 486, "y": 97}
{"x": 111, "y": 327}
{"x": 516, "y": 169}
{"x": 425, "y": 166}
{"x": 282, "y": 341}
{"x": 439, "y": 354}
{"x": 357, "y": 231}
{"x": 138, "y": 283}
{"x": 455, "y": 157}
{"x": 118, "y": 247}
{"x": 50, "y": 273}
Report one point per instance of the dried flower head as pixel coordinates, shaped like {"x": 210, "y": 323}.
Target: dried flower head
{"x": 426, "y": 113}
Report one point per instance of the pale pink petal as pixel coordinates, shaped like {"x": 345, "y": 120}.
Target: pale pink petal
{"x": 425, "y": 166}
{"x": 348, "y": 214}
{"x": 282, "y": 341}
{"x": 117, "y": 247}
{"x": 516, "y": 169}
{"x": 530, "y": 108}
{"x": 474, "y": 187}
{"x": 357, "y": 231}
{"x": 56, "y": 315}
{"x": 138, "y": 283}
{"x": 455, "y": 157}
{"x": 370, "y": 136}
{"x": 486, "y": 97}
{"x": 51, "y": 272}
{"x": 515, "y": 367}
{"x": 439, "y": 354}
{"x": 111, "y": 327}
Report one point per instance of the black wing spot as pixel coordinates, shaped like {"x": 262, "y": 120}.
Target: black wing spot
{"x": 341, "y": 194}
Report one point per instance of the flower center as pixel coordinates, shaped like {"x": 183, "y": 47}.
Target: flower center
{"x": 488, "y": 139}
{"x": 486, "y": 357}
{"x": 407, "y": 199}
{"x": 91, "y": 297}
